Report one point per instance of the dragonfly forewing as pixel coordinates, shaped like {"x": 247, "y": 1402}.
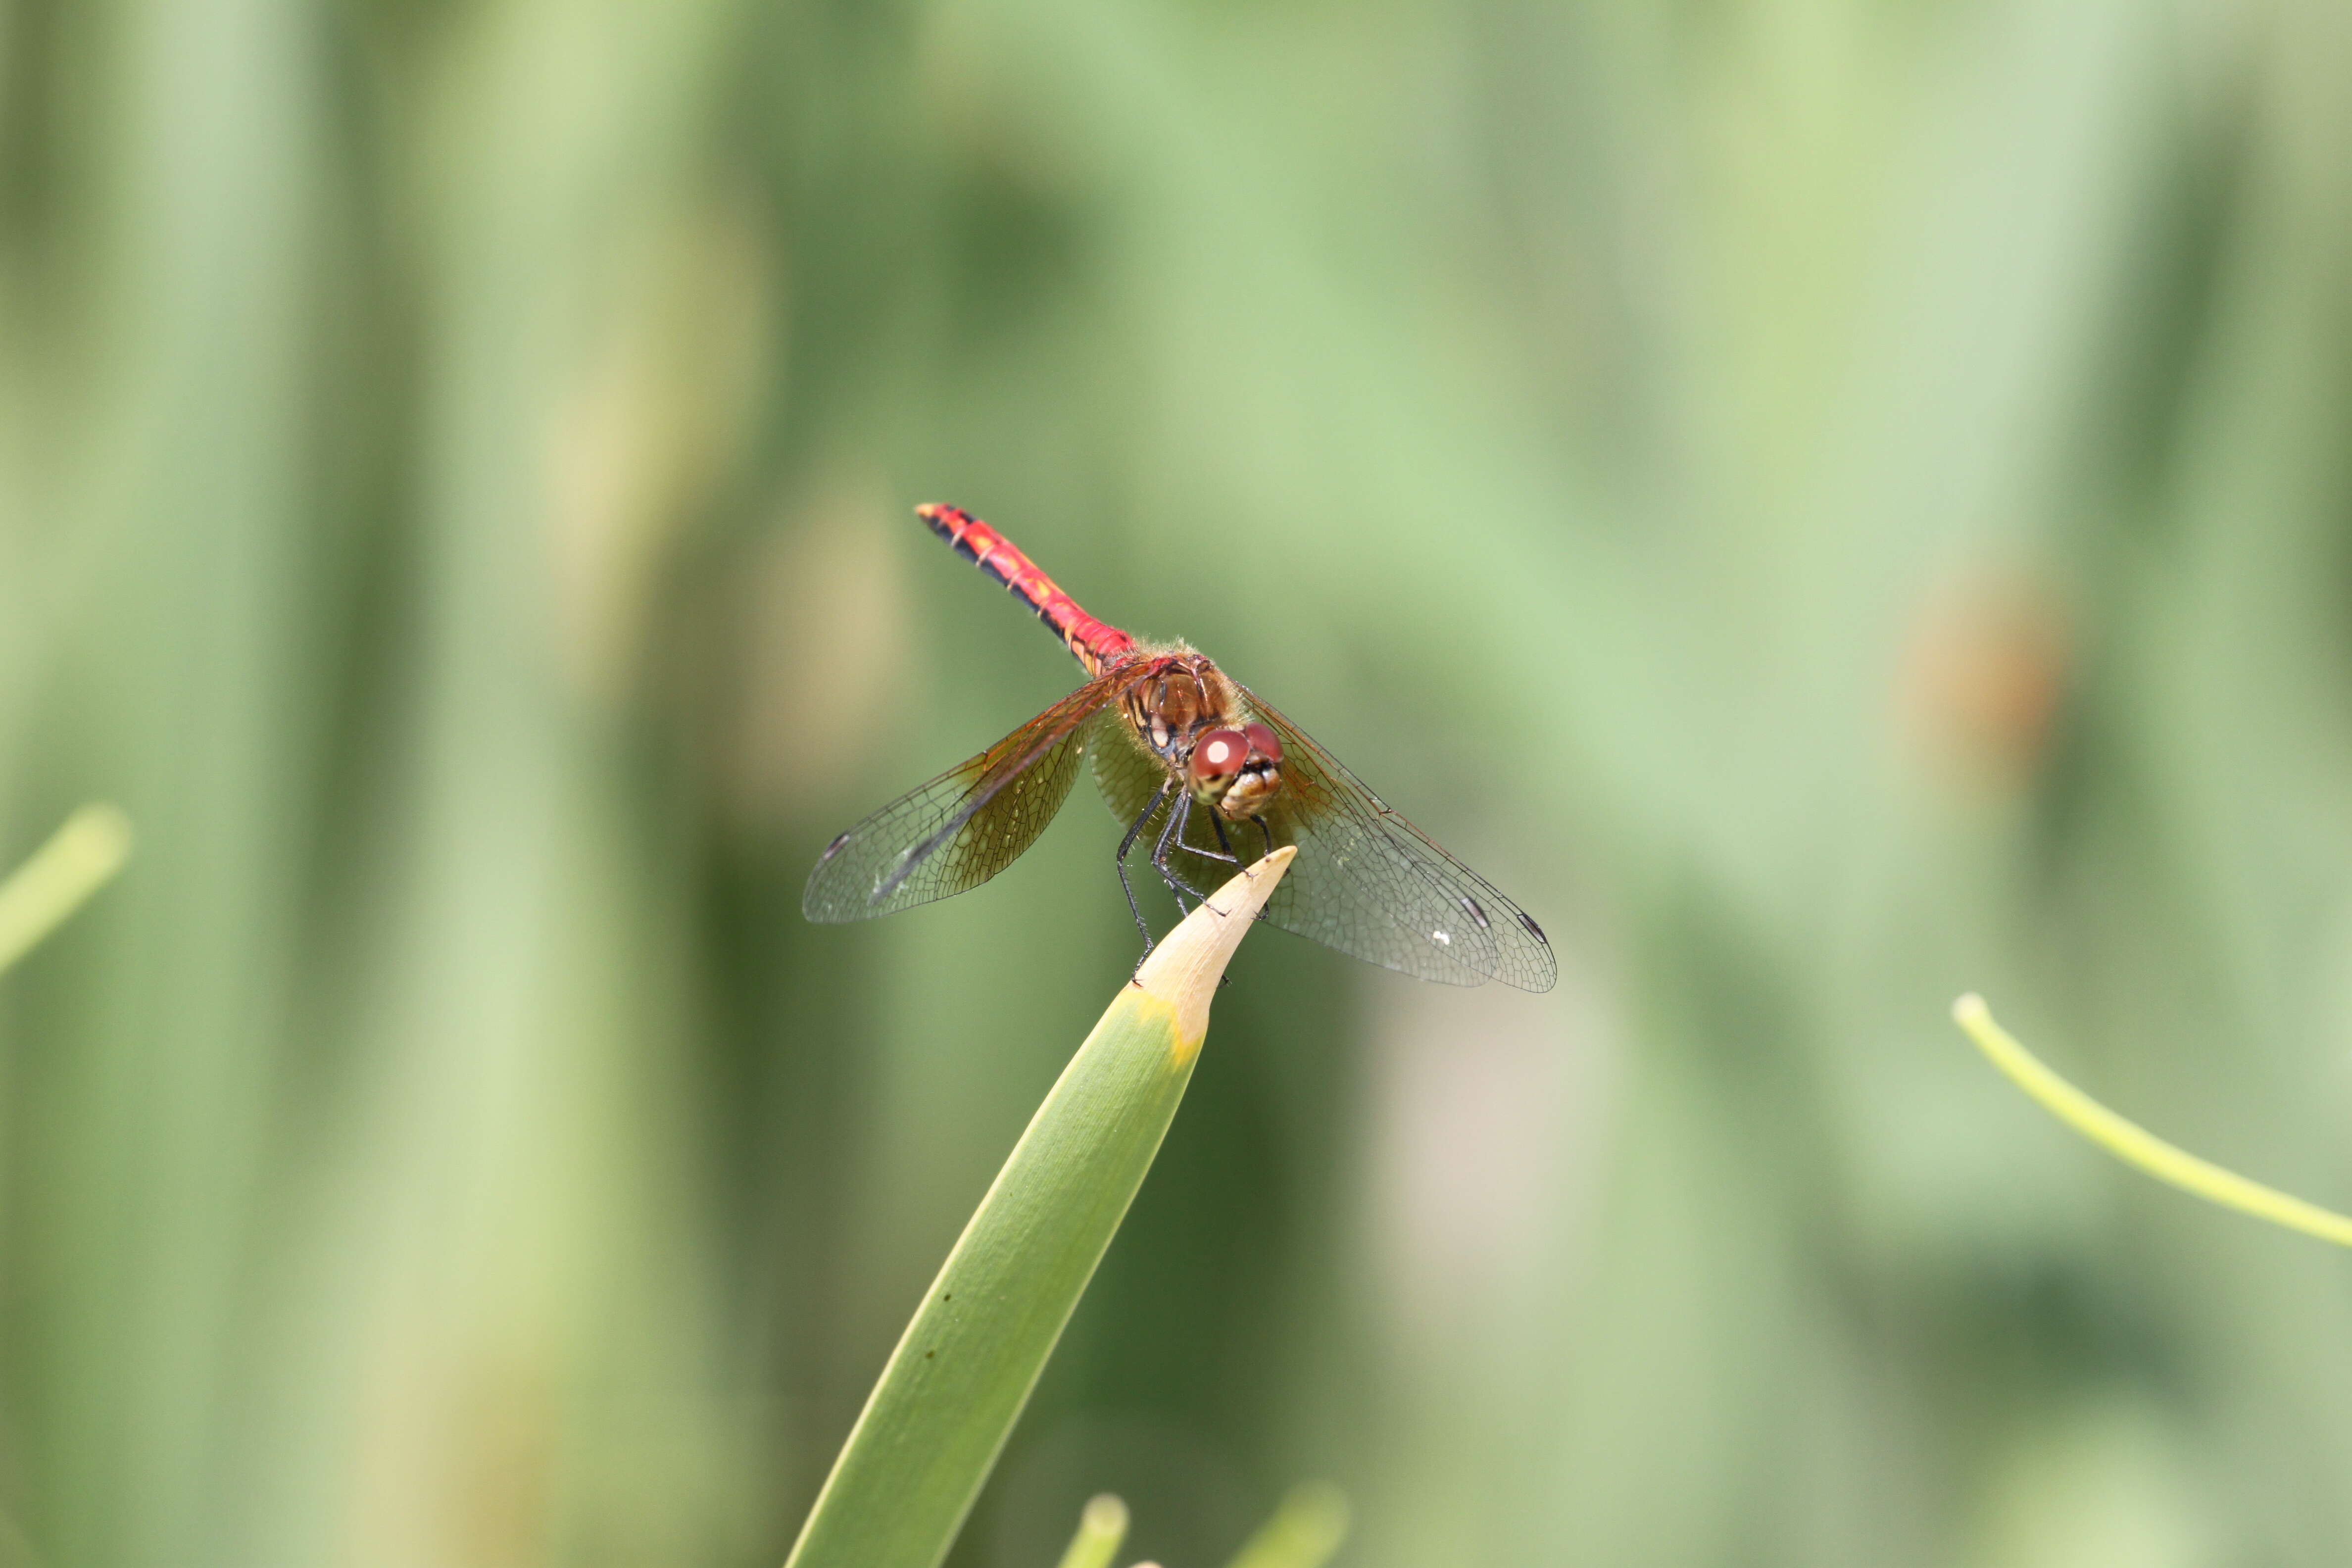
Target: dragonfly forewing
{"x": 952, "y": 834}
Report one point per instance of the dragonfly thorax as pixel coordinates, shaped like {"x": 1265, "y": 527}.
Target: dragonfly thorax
{"x": 1190, "y": 717}
{"x": 1182, "y": 699}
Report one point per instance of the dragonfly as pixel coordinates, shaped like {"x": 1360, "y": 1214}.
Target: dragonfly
{"x": 1204, "y": 771}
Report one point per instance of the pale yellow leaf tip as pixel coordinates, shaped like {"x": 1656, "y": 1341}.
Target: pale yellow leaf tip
{"x": 1185, "y": 968}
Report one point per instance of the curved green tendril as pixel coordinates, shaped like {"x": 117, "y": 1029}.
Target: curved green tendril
{"x": 2134, "y": 1144}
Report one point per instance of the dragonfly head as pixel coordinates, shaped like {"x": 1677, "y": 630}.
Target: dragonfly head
{"x": 1237, "y": 770}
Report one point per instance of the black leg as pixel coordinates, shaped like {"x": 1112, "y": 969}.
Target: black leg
{"x": 1217, "y": 821}
{"x": 1263, "y": 827}
{"x": 1168, "y": 829}
{"x": 1177, "y": 819}
{"x": 1135, "y": 830}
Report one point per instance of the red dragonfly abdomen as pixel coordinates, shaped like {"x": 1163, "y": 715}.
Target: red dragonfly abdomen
{"x": 1097, "y": 646}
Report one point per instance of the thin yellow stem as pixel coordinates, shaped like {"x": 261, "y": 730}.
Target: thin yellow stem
{"x": 2134, "y": 1144}
{"x": 1102, "y": 1528}
{"x": 80, "y": 858}
{"x": 1304, "y": 1531}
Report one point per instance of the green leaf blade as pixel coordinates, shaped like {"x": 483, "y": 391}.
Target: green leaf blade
{"x": 946, "y": 1402}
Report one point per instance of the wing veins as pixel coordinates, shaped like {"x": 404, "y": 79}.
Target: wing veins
{"x": 966, "y": 825}
{"x": 977, "y": 801}
{"x": 1494, "y": 946}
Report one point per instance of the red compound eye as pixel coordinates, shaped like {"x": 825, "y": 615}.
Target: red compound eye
{"x": 1262, "y": 738}
{"x": 1219, "y": 754}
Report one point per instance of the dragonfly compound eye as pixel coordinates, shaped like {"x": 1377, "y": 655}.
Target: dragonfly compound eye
{"x": 1263, "y": 742}
{"x": 1219, "y": 754}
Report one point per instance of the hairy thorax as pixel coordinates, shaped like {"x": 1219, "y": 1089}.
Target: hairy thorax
{"x": 1193, "y": 720}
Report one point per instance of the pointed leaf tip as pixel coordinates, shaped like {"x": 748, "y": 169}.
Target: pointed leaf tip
{"x": 1185, "y": 968}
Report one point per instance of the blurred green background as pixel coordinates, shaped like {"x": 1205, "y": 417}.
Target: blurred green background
{"x": 1830, "y": 505}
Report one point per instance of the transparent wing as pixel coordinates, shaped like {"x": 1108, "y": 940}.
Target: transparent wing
{"x": 954, "y": 833}
{"x": 1128, "y": 776}
{"x": 1438, "y": 910}
{"x": 1366, "y": 880}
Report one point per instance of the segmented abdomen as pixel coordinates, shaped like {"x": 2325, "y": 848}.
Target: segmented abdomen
{"x": 1096, "y": 646}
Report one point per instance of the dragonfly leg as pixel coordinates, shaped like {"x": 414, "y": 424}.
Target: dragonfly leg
{"x": 1177, "y": 886}
{"x": 1172, "y": 828}
{"x": 1134, "y": 831}
{"x": 1217, "y": 821}
{"x": 1264, "y": 828}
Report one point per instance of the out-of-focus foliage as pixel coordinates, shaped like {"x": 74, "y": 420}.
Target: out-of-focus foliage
{"x": 1831, "y": 505}
{"x": 82, "y": 856}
